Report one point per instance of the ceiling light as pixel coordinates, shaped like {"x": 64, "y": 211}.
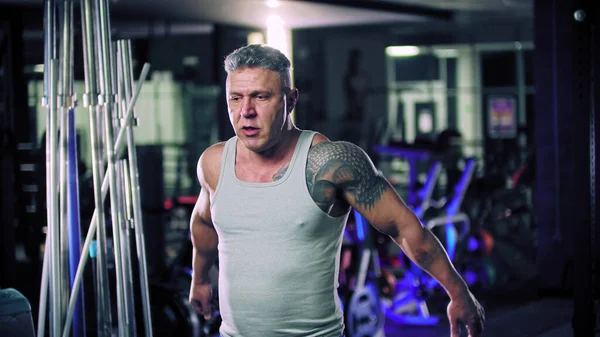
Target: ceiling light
{"x": 272, "y": 3}
{"x": 402, "y": 51}
{"x": 276, "y": 33}
{"x": 274, "y": 21}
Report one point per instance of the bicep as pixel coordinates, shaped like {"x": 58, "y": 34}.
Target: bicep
{"x": 369, "y": 193}
{"x": 201, "y": 212}
{"x": 204, "y": 172}
{"x": 348, "y": 170}
{"x": 204, "y": 236}
{"x": 377, "y": 201}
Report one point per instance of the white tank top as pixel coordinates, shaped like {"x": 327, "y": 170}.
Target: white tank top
{"x": 279, "y": 253}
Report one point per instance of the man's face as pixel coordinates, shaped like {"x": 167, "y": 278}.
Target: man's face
{"x": 257, "y": 108}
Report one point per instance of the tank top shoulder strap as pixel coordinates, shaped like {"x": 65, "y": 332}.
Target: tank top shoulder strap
{"x": 304, "y": 144}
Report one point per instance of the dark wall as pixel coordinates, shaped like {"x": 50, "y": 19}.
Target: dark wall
{"x": 321, "y": 55}
{"x": 168, "y": 53}
{"x": 554, "y": 144}
{"x": 320, "y": 62}
{"x": 566, "y": 118}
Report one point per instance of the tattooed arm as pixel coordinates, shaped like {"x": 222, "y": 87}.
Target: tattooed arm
{"x": 340, "y": 170}
{"x": 343, "y": 170}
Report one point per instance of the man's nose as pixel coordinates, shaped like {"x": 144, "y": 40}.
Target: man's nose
{"x": 248, "y": 110}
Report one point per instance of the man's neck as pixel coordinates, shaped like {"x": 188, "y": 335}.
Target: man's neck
{"x": 277, "y": 153}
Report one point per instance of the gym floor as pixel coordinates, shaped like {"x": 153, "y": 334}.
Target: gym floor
{"x": 510, "y": 315}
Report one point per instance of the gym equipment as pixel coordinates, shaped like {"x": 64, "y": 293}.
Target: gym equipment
{"x": 480, "y": 272}
{"x": 426, "y": 192}
{"x": 362, "y": 309}
{"x": 178, "y": 274}
{"x": 480, "y": 243}
{"x": 172, "y": 314}
{"x": 504, "y": 219}
{"x": 107, "y": 116}
{"x": 409, "y": 305}
{"x": 177, "y": 230}
{"x": 413, "y": 155}
{"x": 445, "y": 151}
{"x": 15, "y": 314}
{"x": 363, "y": 316}
{"x": 180, "y": 278}
{"x": 74, "y": 233}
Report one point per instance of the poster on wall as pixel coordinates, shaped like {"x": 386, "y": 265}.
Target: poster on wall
{"x": 502, "y": 117}
{"x": 425, "y": 118}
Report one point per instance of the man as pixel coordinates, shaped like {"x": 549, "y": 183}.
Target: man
{"x": 273, "y": 205}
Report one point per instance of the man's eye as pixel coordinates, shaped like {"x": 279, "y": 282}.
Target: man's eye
{"x": 234, "y": 99}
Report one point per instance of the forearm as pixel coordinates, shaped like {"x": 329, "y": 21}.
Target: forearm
{"x": 425, "y": 250}
{"x": 205, "y": 252}
{"x": 202, "y": 262}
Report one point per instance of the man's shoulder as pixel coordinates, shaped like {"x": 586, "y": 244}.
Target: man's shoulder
{"x": 209, "y": 164}
{"x": 336, "y": 157}
{"x": 325, "y": 149}
{"x": 214, "y": 150}
{"x": 319, "y": 138}
{"x": 338, "y": 162}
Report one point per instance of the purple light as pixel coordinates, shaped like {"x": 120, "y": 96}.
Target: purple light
{"x": 470, "y": 277}
{"x": 473, "y": 244}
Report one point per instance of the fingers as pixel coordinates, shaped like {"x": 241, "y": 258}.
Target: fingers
{"x": 475, "y": 328}
{"x": 203, "y": 308}
{"x": 454, "y": 328}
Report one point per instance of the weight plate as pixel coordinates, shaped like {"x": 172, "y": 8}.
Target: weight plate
{"x": 364, "y": 317}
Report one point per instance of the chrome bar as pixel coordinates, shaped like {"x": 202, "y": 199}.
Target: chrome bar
{"x": 124, "y": 204}
{"x": 137, "y": 222}
{"x": 107, "y": 102}
{"x": 52, "y": 205}
{"x": 94, "y": 226}
{"x": 47, "y": 289}
{"x": 43, "y": 291}
{"x": 65, "y": 93}
{"x": 90, "y": 100}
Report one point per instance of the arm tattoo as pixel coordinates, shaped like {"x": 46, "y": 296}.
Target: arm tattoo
{"x": 280, "y": 173}
{"x": 342, "y": 166}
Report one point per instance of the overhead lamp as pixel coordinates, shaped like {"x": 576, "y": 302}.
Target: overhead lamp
{"x": 272, "y": 3}
{"x": 276, "y": 35}
{"x": 402, "y": 51}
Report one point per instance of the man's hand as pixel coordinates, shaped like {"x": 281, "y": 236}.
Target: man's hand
{"x": 201, "y": 299}
{"x": 466, "y": 310}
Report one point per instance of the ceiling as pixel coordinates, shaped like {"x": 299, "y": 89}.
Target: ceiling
{"x": 309, "y": 13}
{"x": 498, "y": 6}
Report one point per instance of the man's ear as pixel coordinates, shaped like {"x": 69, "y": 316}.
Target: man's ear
{"x": 292, "y": 99}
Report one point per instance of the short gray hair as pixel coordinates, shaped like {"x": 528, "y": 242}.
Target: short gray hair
{"x": 260, "y": 56}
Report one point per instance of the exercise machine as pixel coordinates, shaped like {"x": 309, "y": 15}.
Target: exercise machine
{"x": 409, "y": 305}
{"x": 414, "y": 156}
{"x": 362, "y": 305}
{"x": 173, "y": 307}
